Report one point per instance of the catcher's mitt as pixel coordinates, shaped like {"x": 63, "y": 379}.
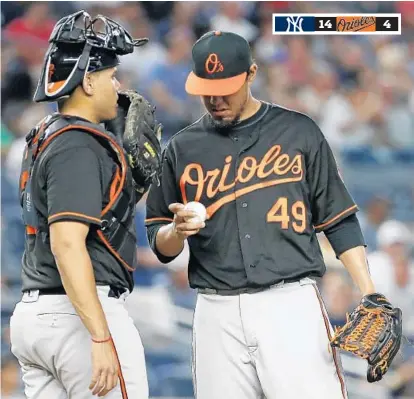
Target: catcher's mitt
{"x": 137, "y": 127}
{"x": 373, "y": 331}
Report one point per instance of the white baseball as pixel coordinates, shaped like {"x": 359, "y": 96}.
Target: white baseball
{"x": 198, "y": 208}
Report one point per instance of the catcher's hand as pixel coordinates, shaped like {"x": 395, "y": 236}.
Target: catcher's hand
{"x": 141, "y": 135}
{"x": 373, "y": 331}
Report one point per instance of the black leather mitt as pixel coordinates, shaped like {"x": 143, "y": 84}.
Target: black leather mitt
{"x": 373, "y": 331}
{"x": 140, "y": 133}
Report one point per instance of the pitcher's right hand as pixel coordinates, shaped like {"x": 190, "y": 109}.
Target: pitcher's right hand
{"x": 183, "y": 226}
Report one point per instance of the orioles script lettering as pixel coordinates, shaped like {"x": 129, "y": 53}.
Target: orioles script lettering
{"x": 351, "y": 24}
{"x": 280, "y": 167}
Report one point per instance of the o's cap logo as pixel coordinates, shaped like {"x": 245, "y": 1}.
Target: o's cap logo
{"x": 213, "y": 64}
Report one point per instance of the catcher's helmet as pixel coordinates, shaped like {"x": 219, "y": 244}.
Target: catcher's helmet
{"x": 76, "y": 47}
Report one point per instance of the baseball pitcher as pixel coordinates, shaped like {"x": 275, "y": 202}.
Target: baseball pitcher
{"x": 269, "y": 182}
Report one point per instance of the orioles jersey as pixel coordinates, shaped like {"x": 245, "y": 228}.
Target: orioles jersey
{"x": 269, "y": 184}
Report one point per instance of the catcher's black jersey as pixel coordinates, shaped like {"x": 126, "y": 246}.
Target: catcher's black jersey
{"x": 71, "y": 184}
{"x": 268, "y": 187}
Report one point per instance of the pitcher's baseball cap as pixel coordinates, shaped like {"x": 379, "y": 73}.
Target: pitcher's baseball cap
{"x": 221, "y": 61}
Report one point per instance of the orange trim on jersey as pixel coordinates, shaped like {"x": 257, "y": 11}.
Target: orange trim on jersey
{"x": 113, "y": 252}
{"x": 334, "y": 351}
{"x": 120, "y": 375}
{"x": 81, "y": 215}
{"x": 30, "y": 230}
{"x": 158, "y": 219}
{"x": 335, "y": 217}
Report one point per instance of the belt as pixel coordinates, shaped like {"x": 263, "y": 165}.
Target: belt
{"x": 236, "y": 291}
{"x": 114, "y": 292}
{"x": 246, "y": 290}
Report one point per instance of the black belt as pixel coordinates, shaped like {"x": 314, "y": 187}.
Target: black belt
{"x": 114, "y": 292}
{"x": 244, "y": 290}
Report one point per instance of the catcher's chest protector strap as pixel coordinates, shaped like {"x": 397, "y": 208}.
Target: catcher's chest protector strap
{"x": 117, "y": 230}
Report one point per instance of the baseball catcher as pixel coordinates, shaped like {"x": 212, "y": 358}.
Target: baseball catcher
{"x": 373, "y": 331}
{"x": 84, "y": 169}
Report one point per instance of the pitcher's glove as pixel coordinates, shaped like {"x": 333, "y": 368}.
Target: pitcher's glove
{"x": 140, "y": 132}
{"x": 373, "y": 331}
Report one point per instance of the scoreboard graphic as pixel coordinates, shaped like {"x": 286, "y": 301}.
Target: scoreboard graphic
{"x": 336, "y": 24}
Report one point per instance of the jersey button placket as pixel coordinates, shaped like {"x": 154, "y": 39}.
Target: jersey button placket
{"x": 242, "y": 220}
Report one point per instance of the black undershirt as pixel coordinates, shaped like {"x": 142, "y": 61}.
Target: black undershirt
{"x": 345, "y": 235}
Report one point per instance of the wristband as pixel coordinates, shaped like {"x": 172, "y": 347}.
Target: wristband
{"x": 101, "y": 341}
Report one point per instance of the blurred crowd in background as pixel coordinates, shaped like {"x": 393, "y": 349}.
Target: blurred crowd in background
{"x": 359, "y": 89}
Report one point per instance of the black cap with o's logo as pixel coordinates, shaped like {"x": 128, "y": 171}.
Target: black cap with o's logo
{"x": 221, "y": 61}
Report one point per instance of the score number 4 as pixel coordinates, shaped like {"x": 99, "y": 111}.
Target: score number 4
{"x": 387, "y": 24}
{"x": 279, "y": 214}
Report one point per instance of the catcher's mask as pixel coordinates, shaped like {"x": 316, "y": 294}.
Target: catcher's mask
{"x": 76, "y": 47}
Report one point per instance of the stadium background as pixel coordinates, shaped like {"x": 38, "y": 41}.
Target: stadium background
{"x": 358, "y": 88}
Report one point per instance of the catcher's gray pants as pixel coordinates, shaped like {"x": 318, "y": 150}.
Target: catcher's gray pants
{"x": 54, "y": 348}
{"x": 273, "y": 344}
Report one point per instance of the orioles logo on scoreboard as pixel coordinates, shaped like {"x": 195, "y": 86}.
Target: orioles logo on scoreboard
{"x": 355, "y": 24}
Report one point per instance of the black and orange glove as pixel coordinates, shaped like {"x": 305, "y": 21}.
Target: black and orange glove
{"x": 140, "y": 133}
{"x": 373, "y": 331}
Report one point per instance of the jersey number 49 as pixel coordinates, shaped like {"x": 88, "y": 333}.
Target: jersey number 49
{"x": 279, "y": 213}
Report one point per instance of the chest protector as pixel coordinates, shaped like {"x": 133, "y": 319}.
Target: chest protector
{"x": 117, "y": 230}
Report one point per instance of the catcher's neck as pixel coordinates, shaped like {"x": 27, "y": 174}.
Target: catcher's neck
{"x": 76, "y": 107}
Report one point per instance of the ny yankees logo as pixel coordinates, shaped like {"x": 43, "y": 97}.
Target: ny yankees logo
{"x": 213, "y": 64}
{"x": 294, "y": 24}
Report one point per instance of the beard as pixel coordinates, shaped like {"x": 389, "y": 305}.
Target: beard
{"x": 225, "y": 126}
